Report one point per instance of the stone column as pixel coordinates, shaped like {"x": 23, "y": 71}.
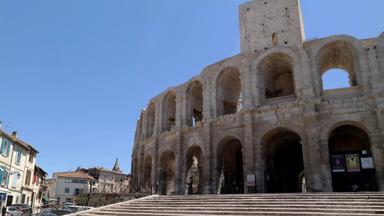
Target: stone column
{"x": 248, "y": 149}
{"x": 325, "y": 166}
{"x": 179, "y": 159}
{"x": 314, "y": 163}
{"x": 259, "y": 167}
{"x": 246, "y": 90}
{"x": 209, "y": 101}
{"x": 377, "y": 149}
{"x": 155, "y": 165}
{"x": 307, "y": 164}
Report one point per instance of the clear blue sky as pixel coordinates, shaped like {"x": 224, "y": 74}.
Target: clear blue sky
{"x": 75, "y": 74}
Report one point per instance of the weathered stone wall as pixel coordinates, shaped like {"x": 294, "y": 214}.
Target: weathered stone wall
{"x": 311, "y": 112}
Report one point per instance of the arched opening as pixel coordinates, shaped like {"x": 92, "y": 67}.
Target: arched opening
{"x": 274, "y": 39}
{"x": 335, "y": 79}
{"x": 276, "y": 76}
{"x": 230, "y": 166}
{"x": 198, "y": 153}
{"x": 151, "y": 113}
{"x": 228, "y": 92}
{"x": 338, "y": 55}
{"x": 167, "y": 173}
{"x": 284, "y": 162}
{"x": 194, "y": 103}
{"x": 148, "y": 172}
{"x": 351, "y": 160}
{"x": 169, "y": 112}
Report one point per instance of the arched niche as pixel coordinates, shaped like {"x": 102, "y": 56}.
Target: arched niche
{"x": 230, "y": 166}
{"x": 195, "y": 103}
{"x": 195, "y": 151}
{"x": 169, "y": 111}
{"x": 284, "y": 163}
{"x": 276, "y": 76}
{"x": 228, "y": 95}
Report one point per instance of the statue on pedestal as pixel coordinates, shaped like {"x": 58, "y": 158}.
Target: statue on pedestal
{"x": 192, "y": 181}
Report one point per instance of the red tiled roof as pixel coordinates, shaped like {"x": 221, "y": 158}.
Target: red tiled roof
{"x": 79, "y": 175}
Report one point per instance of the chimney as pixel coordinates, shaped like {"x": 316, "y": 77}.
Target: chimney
{"x": 14, "y": 134}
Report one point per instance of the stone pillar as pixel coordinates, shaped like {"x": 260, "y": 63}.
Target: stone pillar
{"x": 209, "y": 101}
{"x": 180, "y": 110}
{"x": 155, "y": 165}
{"x": 314, "y": 163}
{"x": 246, "y": 91}
{"x": 179, "y": 159}
{"x": 307, "y": 164}
{"x": 325, "y": 166}
{"x": 377, "y": 149}
{"x": 259, "y": 167}
{"x": 141, "y": 166}
{"x": 206, "y": 174}
{"x": 248, "y": 150}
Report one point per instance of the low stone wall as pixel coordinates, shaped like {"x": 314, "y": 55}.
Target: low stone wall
{"x": 103, "y": 199}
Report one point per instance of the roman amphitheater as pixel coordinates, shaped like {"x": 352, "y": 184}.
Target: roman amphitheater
{"x": 261, "y": 121}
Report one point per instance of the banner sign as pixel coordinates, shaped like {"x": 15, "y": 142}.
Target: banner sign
{"x": 367, "y": 163}
{"x": 353, "y": 162}
{"x": 338, "y": 163}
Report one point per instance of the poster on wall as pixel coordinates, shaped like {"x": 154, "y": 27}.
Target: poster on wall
{"x": 353, "y": 162}
{"x": 251, "y": 180}
{"x": 367, "y": 163}
{"x": 338, "y": 163}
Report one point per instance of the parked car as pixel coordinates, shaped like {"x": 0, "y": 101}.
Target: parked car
{"x": 47, "y": 212}
{"x": 13, "y": 211}
{"x": 25, "y": 208}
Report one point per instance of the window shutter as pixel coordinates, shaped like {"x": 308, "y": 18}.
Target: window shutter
{"x": 8, "y": 148}
{"x": 2, "y": 147}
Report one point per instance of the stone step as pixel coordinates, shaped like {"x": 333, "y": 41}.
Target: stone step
{"x": 224, "y": 207}
{"x": 196, "y": 202}
{"x": 218, "y": 210}
{"x": 340, "y": 204}
{"x": 236, "y": 213}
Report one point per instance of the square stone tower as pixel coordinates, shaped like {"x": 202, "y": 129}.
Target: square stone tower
{"x": 267, "y": 23}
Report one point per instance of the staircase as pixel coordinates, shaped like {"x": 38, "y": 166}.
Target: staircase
{"x": 337, "y": 204}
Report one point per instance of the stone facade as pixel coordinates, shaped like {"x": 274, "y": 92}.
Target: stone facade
{"x": 262, "y": 117}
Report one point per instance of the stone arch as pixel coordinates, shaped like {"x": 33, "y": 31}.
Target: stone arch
{"x": 169, "y": 111}
{"x": 290, "y": 60}
{"x": 148, "y": 172}
{"x": 196, "y": 150}
{"x": 167, "y": 173}
{"x": 228, "y": 91}
{"x": 348, "y": 146}
{"x": 284, "y": 160}
{"x": 276, "y": 75}
{"x": 283, "y": 125}
{"x": 336, "y": 122}
{"x": 339, "y": 52}
{"x": 230, "y": 165}
{"x": 195, "y": 103}
{"x": 150, "y": 119}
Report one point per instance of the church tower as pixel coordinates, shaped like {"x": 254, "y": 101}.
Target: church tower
{"x": 267, "y": 23}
